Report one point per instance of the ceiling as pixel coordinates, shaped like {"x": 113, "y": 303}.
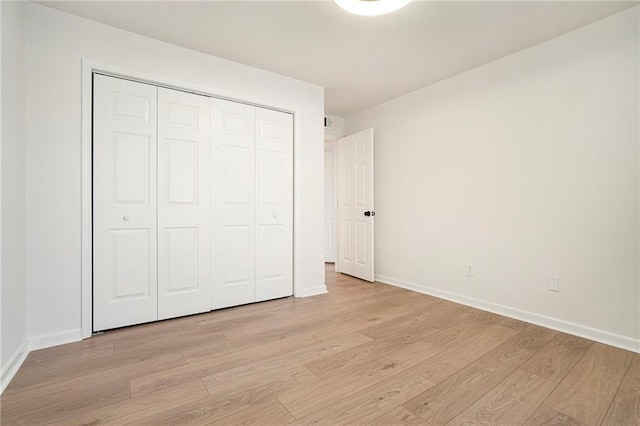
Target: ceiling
{"x": 360, "y": 61}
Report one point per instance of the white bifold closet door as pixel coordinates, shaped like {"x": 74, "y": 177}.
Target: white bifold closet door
{"x": 125, "y": 279}
{"x": 184, "y": 284}
{"x": 151, "y": 242}
{"x": 252, "y": 189}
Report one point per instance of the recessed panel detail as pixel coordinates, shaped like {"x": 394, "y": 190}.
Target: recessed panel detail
{"x": 131, "y": 168}
{"x": 131, "y": 277}
{"x": 236, "y": 251}
{"x": 361, "y": 148}
{"x": 345, "y": 236}
{"x": 235, "y": 123}
{"x": 182, "y": 246}
{"x": 346, "y": 152}
{"x": 346, "y": 195}
{"x": 182, "y": 158}
{"x": 271, "y": 169}
{"x": 361, "y": 242}
{"x": 236, "y": 172}
{"x": 272, "y": 246}
{"x": 361, "y": 184}
{"x": 130, "y": 108}
{"x": 271, "y": 130}
{"x": 182, "y": 115}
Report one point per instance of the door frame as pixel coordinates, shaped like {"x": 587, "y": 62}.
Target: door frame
{"x": 89, "y": 67}
{"x": 334, "y": 184}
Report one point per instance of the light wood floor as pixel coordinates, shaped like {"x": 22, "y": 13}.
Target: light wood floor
{"x": 362, "y": 354}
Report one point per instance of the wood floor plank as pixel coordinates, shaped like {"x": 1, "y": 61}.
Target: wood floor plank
{"x": 46, "y": 373}
{"x": 634, "y": 368}
{"x": 295, "y": 357}
{"x": 66, "y": 380}
{"x": 233, "y": 399}
{"x": 260, "y": 327}
{"x": 268, "y": 413}
{"x": 286, "y": 304}
{"x": 223, "y": 322}
{"x": 343, "y": 362}
{"x": 265, "y": 333}
{"x": 71, "y": 352}
{"x": 364, "y": 320}
{"x": 173, "y": 343}
{"x": 455, "y": 357}
{"x": 587, "y": 391}
{"x": 134, "y": 410}
{"x": 555, "y": 360}
{"x": 55, "y": 405}
{"x": 209, "y": 350}
{"x": 370, "y": 403}
{"x": 145, "y": 384}
{"x": 332, "y": 390}
{"x": 625, "y": 408}
{"x": 144, "y": 333}
{"x": 275, "y": 381}
{"x": 443, "y": 402}
{"x": 399, "y": 416}
{"x": 459, "y": 331}
{"x": 38, "y": 369}
{"x": 511, "y": 402}
{"x": 430, "y": 319}
{"x": 547, "y": 416}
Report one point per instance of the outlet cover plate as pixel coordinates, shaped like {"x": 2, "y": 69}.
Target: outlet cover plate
{"x": 553, "y": 284}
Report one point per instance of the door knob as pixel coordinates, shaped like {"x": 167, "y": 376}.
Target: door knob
{"x": 125, "y": 217}
{"x": 369, "y": 213}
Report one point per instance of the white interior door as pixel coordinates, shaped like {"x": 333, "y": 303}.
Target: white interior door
{"x": 355, "y": 205}
{"x": 124, "y": 203}
{"x": 274, "y": 204}
{"x": 233, "y": 194}
{"x": 330, "y": 211}
{"x": 184, "y": 285}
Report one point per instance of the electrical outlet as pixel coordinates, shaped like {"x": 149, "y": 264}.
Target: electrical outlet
{"x": 553, "y": 284}
{"x": 468, "y": 269}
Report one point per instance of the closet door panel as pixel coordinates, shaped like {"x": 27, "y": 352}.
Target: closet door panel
{"x": 233, "y": 195}
{"x": 274, "y": 204}
{"x": 183, "y": 204}
{"x": 124, "y": 203}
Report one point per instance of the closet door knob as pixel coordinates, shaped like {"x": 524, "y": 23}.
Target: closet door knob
{"x": 275, "y": 215}
{"x": 125, "y": 217}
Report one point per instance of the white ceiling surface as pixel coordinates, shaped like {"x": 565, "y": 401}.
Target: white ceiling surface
{"x": 360, "y": 61}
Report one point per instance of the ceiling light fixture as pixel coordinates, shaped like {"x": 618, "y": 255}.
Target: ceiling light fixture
{"x": 371, "y": 7}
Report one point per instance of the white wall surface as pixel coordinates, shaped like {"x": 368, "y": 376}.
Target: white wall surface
{"x": 526, "y": 168}
{"x": 13, "y": 290}
{"x": 337, "y": 128}
{"x": 56, "y": 42}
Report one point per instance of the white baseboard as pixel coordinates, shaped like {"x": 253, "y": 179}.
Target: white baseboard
{"x": 10, "y": 368}
{"x": 312, "y": 291}
{"x": 54, "y": 339}
{"x": 602, "y": 336}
